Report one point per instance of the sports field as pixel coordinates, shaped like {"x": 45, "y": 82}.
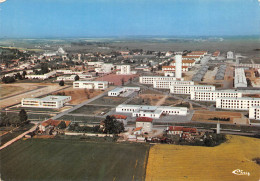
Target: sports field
{"x": 53, "y": 159}
{"x": 175, "y": 162}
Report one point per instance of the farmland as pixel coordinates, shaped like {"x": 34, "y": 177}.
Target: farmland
{"x": 57, "y": 159}
{"x": 175, "y": 162}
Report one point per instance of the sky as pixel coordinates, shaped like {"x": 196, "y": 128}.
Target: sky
{"x": 104, "y": 18}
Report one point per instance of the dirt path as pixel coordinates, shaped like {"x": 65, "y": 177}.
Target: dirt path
{"x": 18, "y": 137}
{"x": 161, "y": 101}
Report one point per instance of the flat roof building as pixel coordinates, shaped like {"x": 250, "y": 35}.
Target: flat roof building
{"x": 46, "y": 102}
{"x": 187, "y": 89}
{"x": 202, "y": 95}
{"x": 90, "y": 84}
{"x": 241, "y": 103}
{"x": 151, "y": 79}
{"x": 165, "y": 84}
{"x": 123, "y": 91}
{"x": 254, "y": 113}
{"x": 151, "y": 111}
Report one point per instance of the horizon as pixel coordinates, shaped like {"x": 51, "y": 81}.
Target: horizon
{"x": 102, "y": 18}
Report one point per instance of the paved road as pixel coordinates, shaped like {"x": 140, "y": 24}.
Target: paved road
{"x": 18, "y": 137}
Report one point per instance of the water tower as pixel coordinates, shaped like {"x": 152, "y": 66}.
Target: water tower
{"x": 178, "y": 66}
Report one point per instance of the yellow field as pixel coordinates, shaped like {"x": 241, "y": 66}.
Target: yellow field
{"x": 175, "y": 162}
{"x": 8, "y": 90}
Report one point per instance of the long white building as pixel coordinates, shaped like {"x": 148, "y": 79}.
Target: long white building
{"x": 42, "y": 77}
{"x": 46, "y": 102}
{"x": 187, "y": 89}
{"x": 165, "y": 84}
{"x": 123, "y": 91}
{"x": 201, "y": 95}
{"x": 254, "y": 113}
{"x": 91, "y": 84}
{"x": 151, "y": 79}
{"x": 241, "y": 103}
{"x": 240, "y": 78}
{"x": 151, "y": 111}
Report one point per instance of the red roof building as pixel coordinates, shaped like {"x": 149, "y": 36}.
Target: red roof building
{"x": 144, "y": 119}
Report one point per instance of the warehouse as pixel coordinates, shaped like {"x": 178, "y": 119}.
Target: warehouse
{"x": 200, "y": 95}
{"x": 91, "y": 84}
{"x": 165, "y": 84}
{"x": 187, "y": 89}
{"x": 151, "y": 79}
{"x": 254, "y": 113}
{"x": 151, "y": 111}
{"x": 241, "y": 103}
{"x": 46, "y": 102}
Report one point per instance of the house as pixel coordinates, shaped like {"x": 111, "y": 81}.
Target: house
{"x": 138, "y": 131}
{"x": 51, "y": 123}
{"x": 120, "y": 118}
{"x": 144, "y": 122}
{"x": 175, "y": 130}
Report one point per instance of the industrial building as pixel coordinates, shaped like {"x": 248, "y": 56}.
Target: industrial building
{"x": 201, "y": 95}
{"x": 187, "y": 89}
{"x": 151, "y": 79}
{"x": 165, "y": 84}
{"x": 254, "y": 113}
{"x": 46, "y": 102}
{"x": 123, "y": 91}
{"x": 91, "y": 84}
{"x": 151, "y": 111}
{"x": 241, "y": 103}
{"x": 240, "y": 78}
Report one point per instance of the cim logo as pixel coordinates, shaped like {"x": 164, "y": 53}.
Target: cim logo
{"x": 240, "y": 172}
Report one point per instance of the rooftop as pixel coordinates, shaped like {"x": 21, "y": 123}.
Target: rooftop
{"x": 144, "y": 119}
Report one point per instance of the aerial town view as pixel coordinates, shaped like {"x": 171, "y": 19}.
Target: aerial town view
{"x": 128, "y": 90}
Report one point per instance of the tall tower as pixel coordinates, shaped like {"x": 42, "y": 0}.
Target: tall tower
{"x": 178, "y": 66}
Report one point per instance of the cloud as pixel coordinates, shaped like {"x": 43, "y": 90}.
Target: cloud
{"x": 1, "y": 1}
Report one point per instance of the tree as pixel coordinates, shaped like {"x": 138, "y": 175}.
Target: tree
{"x": 61, "y": 83}
{"x": 4, "y": 120}
{"x": 122, "y": 81}
{"x": 62, "y": 125}
{"x": 23, "y": 116}
{"x": 112, "y": 126}
{"x": 24, "y": 73}
{"x": 76, "y": 78}
{"x": 130, "y": 80}
{"x": 8, "y": 79}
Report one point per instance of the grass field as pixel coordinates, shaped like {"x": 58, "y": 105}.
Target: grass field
{"x": 52, "y": 159}
{"x": 8, "y": 90}
{"x": 106, "y": 100}
{"x": 175, "y": 162}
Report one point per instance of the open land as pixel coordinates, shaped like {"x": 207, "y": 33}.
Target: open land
{"x": 175, "y": 162}
{"x": 73, "y": 160}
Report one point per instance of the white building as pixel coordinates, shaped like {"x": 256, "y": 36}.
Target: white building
{"x": 242, "y": 103}
{"x": 105, "y": 68}
{"x": 254, "y": 113}
{"x": 230, "y": 55}
{"x": 90, "y": 84}
{"x": 240, "y": 78}
{"x": 151, "y": 111}
{"x": 165, "y": 84}
{"x": 46, "y": 102}
{"x": 201, "y": 95}
{"x": 125, "y": 70}
{"x": 187, "y": 89}
{"x": 95, "y": 64}
{"x": 145, "y": 123}
{"x": 151, "y": 79}
{"x": 42, "y": 77}
{"x": 123, "y": 91}
{"x": 172, "y": 68}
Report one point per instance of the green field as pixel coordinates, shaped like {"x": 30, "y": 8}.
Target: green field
{"x": 106, "y": 100}
{"x": 58, "y": 159}
{"x": 90, "y": 109}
